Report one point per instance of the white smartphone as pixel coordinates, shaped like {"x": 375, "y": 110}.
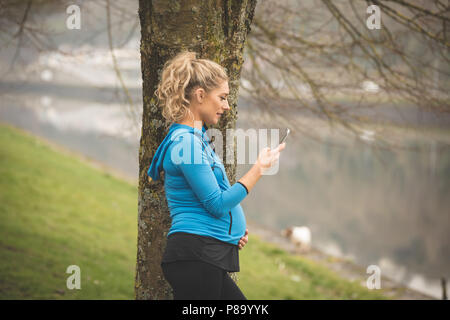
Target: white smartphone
{"x": 285, "y": 136}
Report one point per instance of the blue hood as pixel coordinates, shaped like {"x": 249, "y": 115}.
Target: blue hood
{"x": 157, "y": 163}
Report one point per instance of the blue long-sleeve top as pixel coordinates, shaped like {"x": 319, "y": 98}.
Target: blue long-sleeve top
{"x": 199, "y": 195}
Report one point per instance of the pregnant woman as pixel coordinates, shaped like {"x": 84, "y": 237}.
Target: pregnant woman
{"x": 208, "y": 223}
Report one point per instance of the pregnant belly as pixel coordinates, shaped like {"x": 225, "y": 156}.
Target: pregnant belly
{"x": 238, "y": 223}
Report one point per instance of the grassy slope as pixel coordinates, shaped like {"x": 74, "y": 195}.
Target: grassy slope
{"x": 57, "y": 211}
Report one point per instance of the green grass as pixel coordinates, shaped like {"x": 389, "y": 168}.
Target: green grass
{"x": 267, "y": 272}
{"x": 57, "y": 211}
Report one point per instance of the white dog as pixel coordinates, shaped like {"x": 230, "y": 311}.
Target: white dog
{"x": 300, "y": 237}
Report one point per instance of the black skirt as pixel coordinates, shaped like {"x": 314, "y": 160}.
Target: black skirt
{"x": 187, "y": 246}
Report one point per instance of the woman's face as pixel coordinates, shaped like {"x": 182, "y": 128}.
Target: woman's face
{"x": 213, "y": 104}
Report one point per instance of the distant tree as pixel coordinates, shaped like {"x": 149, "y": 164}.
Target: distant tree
{"x": 315, "y": 56}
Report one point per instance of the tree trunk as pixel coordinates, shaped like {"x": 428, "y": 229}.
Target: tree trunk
{"x": 216, "y": 30}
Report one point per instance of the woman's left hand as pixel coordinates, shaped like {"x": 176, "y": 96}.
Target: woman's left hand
{"x": 243, "y": 240}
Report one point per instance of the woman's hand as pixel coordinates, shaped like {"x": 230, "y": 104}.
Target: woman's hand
{"x": 243, "y": 240}
{"x": 267, "y": 158}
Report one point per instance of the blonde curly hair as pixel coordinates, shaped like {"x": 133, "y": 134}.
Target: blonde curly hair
{"x": 180, "y": 76}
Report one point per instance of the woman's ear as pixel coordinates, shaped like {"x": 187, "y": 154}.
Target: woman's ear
{"x": 199, "y": 95}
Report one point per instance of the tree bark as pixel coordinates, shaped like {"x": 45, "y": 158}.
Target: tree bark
{"x": 216, "y": 30}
